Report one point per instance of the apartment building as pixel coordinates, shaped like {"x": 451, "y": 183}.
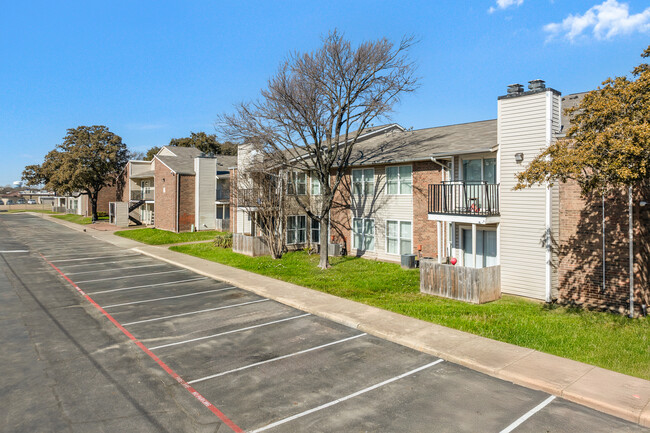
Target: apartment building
{"x": 447, "y": 193}
{"x": 180, "y": 189}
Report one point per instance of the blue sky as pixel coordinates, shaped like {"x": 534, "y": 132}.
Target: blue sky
{"x": 151, "y": 71}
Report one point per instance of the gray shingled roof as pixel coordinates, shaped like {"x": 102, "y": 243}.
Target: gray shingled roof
{"x": 421, "y": 144}
{"x": 183, "y": 162}
{"x": 224, "y": 162}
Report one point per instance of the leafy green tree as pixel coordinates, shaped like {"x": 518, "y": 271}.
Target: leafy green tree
{"x": 206, "y": 143}
{"x": 151, "y": 153}
{"x": 608, "y": 143}
{"x": 89, "y": 159}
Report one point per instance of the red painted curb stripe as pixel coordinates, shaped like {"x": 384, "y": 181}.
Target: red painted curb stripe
{"x": 144, "y": 348}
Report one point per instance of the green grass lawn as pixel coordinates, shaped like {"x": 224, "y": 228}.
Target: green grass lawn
{"x": 78, "y": 219}
{"x": 159, "y": 237}
{"x": 610, "y": 341}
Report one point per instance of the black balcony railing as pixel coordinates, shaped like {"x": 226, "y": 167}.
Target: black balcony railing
{"x": 250, "y": 197}
{"x": 142, "y": 194}
{"x": 223, "y": 195}
{"x": 464, "y": 198}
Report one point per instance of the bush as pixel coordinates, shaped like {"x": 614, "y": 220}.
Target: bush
{"x": 223, "y": 240}
{"x": 102, "y": 214}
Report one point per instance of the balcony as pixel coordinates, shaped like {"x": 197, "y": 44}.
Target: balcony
{"x": 146, "y": 194}
{"x": 251, "y": 197}
{"x": 223, "y": 195}
{"x": 463, "y": 199}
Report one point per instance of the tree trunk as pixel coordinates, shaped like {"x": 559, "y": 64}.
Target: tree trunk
{"x": 93, "y": 204}
{"x": 324, "y": 243}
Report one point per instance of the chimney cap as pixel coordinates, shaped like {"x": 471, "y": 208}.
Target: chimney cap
{"x": 536, "y": 84}
{"x": 515, "y": 88}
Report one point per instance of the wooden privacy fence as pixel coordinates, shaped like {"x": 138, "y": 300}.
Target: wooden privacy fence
{"x": 250, "y": 245}
{"x": 475, "y": 285}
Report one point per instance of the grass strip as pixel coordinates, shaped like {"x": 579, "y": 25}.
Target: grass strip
{"x": 153, "y": 236}
{"x": 78, "y": 219}
{"x": 606, "y": 340}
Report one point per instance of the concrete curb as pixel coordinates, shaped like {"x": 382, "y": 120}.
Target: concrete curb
{"x": 613, "y": 393}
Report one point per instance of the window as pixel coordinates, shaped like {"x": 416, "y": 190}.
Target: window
{"x": 399, "y": 179}
{"x": 363, "y": 181}
{"x": 480, "y": 170}
{"x": 296, "y": 229}
{"x": 315, "y": 232}
{"x": 363, "y": 234}
{"x": 297, "y": 183}
{"x": 315, "y": 185}
{"x": 399, "y": 237}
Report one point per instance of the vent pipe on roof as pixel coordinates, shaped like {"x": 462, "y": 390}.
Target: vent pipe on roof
{"x": 536, "y": 85}
{"x": 513, "y": 89}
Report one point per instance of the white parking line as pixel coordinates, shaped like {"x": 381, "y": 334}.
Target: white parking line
{"x": 275, "y": 359}
{"x": 342, "y": 399}
{"x": 14, "y": 251}
{"x": 115, "y": 269}
{"x": 528, "y": 414}
{"x": 104, "y": 263}
{"x": 169, "y": 297}
{"x": 229, "y": 332}
{"x": 195, "y": 312}
{"x": 92, "y": 258}
{"x": 77, "y": 254}
{"x": 147, "y": 285}
{"x": 130, "y": 276}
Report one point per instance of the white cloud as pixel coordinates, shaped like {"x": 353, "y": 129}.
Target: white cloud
{"x": 504, "y": 4}
{"x": 605, "y": 20}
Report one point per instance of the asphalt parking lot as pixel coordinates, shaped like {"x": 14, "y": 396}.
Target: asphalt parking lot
{"x": 152, "y": 332}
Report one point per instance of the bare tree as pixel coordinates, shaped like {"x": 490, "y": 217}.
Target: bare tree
{"x": 261, "y": 193}
{"x": 317, "y": 106}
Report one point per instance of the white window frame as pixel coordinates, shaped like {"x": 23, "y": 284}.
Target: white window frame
{"x": 292, "y": 184}
{"x": 363, "y": 234}
{"x": 399, "y": 180}
{"x": 460, "y": 251}
{"x": 312, "y": 230}
{"x": 461, "y": 174}
{"x": 314, "y": 184}
{"x": 364, "y": 181}
{"x": 297, "y": 230}
{"x": 399, "y": 236}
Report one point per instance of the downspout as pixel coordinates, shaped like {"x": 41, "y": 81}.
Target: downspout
{"x": 178, "y": 193}
{"x": 631, "y": 235}
{"x": 604, "y": 257}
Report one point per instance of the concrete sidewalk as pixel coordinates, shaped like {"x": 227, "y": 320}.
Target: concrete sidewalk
{"x": 607, "y": 391}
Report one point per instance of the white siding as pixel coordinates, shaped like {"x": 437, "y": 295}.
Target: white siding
{"x": 205, "y": 190}
{"x": 381, "y": 207}
{"x": 523, "y": 127}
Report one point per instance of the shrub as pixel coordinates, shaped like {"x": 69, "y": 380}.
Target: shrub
{"x": 223, "y": 240}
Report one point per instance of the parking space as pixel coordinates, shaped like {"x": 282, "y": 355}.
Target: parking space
{"x": 270, "y": 367}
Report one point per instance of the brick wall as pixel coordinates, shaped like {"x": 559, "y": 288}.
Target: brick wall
{"x": 165, "y": 205}
{"x": 424, "y": 231}
{"x": 579, "y": 246}
{"x": 186, "y": 202}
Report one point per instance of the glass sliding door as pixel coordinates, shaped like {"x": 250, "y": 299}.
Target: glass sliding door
{"x": 486, "y": 248}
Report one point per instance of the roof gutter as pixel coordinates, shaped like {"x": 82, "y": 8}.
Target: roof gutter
{"x": 435, "y": 160}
